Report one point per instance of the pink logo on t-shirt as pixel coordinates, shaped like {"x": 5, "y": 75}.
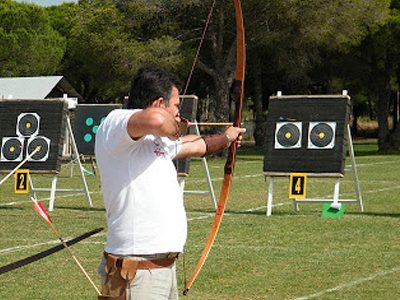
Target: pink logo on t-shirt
{"x": 157, "y": 148}
{"x": 159, "y": 153}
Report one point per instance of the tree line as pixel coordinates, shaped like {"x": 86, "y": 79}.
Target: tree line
{"x": 294, "y": 46}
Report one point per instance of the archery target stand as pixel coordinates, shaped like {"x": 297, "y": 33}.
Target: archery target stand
{"x": 310, "y": 135}
{"x": 74, "y": 158}
{"x": 188, "y": 111}
{"x": 88, "y": 118}
{"x": 182, "y": 176}
{"x": 32, "y": 133}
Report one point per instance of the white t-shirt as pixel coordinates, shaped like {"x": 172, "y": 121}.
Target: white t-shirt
{"x": 143, "y": 200}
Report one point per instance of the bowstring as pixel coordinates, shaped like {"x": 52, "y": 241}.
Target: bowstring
{"x": 184, "y": 93}
{"x": 199, "y": 47}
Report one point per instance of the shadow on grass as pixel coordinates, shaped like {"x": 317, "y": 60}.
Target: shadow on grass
{"x": 278, "y": 213}
{"x": 370, "y": 148}
{"x": 376, "y": 214}
{"x": 376, "y": 153}
{"x": 99, "y": 209}
{"x": 11, "y": 207}
{"x": 249, "y": 213}
{"x": 309, "y": 213}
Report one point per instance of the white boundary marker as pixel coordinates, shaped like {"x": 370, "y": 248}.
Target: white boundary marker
{"x": 17, "y": 248}
{"x": 350, "y": 284}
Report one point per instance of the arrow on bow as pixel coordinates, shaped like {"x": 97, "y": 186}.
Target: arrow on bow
{"x": 230, "y": 163}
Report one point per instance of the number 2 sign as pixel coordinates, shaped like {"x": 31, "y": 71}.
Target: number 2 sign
{"x": 21, "y": 181}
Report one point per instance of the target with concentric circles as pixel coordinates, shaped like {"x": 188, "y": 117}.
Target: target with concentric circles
{"x": 43, "y": 153}
{"x": 11, "y": 149}
{"x": 288, "y": 135}
{"x": 321, "y": 135}
{"x": 28, "y": 124}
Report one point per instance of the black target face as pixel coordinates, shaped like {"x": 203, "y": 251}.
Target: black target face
{"x": 321, "y": 135}
{"x": 28, "y": 124}
{"x": 288, "y": 136}
{"x": 44, "y": 147}
{"x": 11, "y": 149}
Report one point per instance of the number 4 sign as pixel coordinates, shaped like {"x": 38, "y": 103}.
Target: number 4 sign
{"x": 21, "y": 181}
{"x": 297, "y": 187}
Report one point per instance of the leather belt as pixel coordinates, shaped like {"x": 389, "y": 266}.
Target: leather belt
{"x": 149, "y": 264}
{"x": 141, "y": 264}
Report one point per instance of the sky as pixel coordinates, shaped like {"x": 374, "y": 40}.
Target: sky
{"x": 46, "y": 2}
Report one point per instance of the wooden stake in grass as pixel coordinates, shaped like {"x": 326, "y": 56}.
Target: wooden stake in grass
{"x": 43, "y": 213}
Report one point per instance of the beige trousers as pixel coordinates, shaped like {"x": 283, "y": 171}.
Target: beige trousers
{"x": 155, "y": 284}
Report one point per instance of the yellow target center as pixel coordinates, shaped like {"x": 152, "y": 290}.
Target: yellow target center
{"x": 12, "y": 149}
{"x": 28, "y": 125}
{"x": 321, "y": 135}
{"x": 288, "y": 135}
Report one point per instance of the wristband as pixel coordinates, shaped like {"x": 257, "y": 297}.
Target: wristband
{"x": 228, "y": 140}
{"x": 216, "y": 142}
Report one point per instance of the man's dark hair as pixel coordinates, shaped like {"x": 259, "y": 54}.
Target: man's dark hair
{"x": 150, "y": 84}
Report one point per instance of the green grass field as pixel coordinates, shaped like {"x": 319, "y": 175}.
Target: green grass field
{"x": 289, "y": 255}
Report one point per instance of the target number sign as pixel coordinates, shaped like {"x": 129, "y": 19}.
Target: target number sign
{"x": 21, "y": 181}
{"x": 297, "y": 186}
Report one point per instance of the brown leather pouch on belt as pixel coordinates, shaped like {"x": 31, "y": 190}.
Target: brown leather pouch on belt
{"x": 120, "y": 272}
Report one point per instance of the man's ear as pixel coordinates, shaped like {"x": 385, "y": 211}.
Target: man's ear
{"x": 158, "y": 103}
